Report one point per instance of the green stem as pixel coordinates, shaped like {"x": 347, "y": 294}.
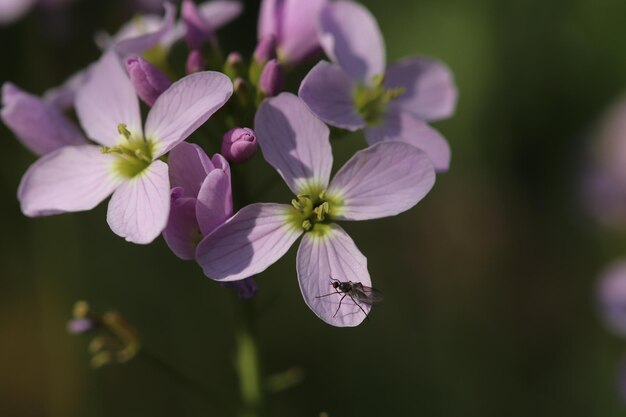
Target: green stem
{"x": 247, "y": 362}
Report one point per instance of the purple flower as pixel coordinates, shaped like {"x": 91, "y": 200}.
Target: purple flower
{"x": 612, "y": 297}
{"x": 294, "y": 24}
{"x": 197, "y": 29}
{"x": 148, "y": 80}
{"x": 40, "y": 126}
{"x": 126, "y": 163}
{"x": 356, "y": 92}
{"x": 383, "y": 180}
{"x": 239, "y": 144}
{"x": 201, "y": 197}
{"x": 147, "y": 31}
{"x": 142, "y": 33}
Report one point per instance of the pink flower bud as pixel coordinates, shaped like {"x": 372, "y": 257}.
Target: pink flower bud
{"x": 239, "y": 144}
{"x": 272, "y": 79}
{"x": 148, "y": 81}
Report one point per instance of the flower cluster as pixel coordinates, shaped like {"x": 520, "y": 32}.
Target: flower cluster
{"x": 162, "y": 183}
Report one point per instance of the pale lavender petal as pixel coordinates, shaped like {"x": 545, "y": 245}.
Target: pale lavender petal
{"x": 333, "y": 255}
{"x": 218, "y": 13}
{"x": 107, "y": 99}
{"x": 189, "y": 166}
{"x": 294, "y": 141}
{"x": 269, "y": 18}
{"x": 215, "y": 201}
{"x": 64, "y": 96}
{"x": 72, "y": 178}
{"x": 430, "y": 93}
{"x": 220, "y": 162}
{"x": 382, "y": 180}
{"x": 406, "y": 128}
{"x": 140, "y": 43}
{"x": 182, "y": 233}
{"x": 139, "y": 208}
{"x": 197, "y": 30}
{"x": 185, "y": 106}
{"x": 297, "y": 34}
{"x": 37, "y": 124}
{"x": 248, "y": 243}
{"x": 351, "y": 37}
{"x": 12, "y": 10}
{"x": 328, "y": 91}
{"x": 612, "y": 297}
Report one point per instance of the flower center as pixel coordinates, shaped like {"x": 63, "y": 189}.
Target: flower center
{"x": 371, "y": 100}
{"x": 313, "y": 210}
{"x": 134, "y": 154}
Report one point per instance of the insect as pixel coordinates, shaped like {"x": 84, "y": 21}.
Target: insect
{"x": 357, "y": 292}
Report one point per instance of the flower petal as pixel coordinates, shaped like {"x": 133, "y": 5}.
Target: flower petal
{"x": 406, "y": 128}
{"x": 63, "y": 96}
{"x": 218, "y": 13}
{"x": 294, "y": 141}
{"x": 215, "y": 201}
{"x": 107, "y": 99}
{"x": 268, "y": 18}
{"x": 335, "y": 256}
{"x": 38, "y": 125}
{"x": 612, "y": 297}
{"x": 382, "y": 180}
{"x": 12, "y": 10}
{"x": 136, "y": 44}
{"x": 182, "y": 233}
{"x": 351, "y": 37}
{"x": 430, "y": 93}
{"x": 72, "y": 178}
{"x": 139, "y": 208}
{"x": 185, "y": 106}
{"x": 328, "y": 90}
{"x": 189, "y": 166}
{"x": 247, "y": 244}
{"x": 297, "y": 34}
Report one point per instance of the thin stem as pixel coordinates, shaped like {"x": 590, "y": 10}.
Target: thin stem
{"x": 248, "y": 362}
{"x": 213, "y": 399}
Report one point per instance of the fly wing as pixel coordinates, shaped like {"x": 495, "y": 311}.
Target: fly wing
{"x": 367, "y": 295}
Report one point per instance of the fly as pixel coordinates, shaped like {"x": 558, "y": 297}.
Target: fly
{"x": 357, "y": 292}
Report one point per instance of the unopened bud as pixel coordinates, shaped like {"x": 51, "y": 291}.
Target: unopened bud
{"x": 239, "y": 144}
{"x": 272, "y": 79}
{"x": 242, "y": 92}
{"x": 195, "y": 62}
{"x": 234, "y": 65}
{"x": 148, "y": 81}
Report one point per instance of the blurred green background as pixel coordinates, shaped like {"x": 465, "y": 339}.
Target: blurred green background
{"x": 489, "y": 282}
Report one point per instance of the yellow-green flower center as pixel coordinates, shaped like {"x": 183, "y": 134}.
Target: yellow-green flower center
{"x": 134, "y": 154}
{"x": 313, "y": 210}
{"x": 371, "y": 100}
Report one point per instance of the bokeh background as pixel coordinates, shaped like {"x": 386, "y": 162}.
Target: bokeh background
{"x": 489, "y": 282}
